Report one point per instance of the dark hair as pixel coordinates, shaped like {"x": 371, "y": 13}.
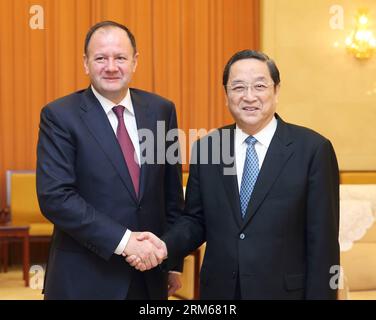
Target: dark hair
{"x": 252, "y": 54}
{"x": 106, "y": 24}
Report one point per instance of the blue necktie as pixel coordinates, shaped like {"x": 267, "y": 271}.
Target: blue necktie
{"x": 250, "y": 173}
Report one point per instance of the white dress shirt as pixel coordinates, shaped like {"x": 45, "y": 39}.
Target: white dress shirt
{"x": 131, "y": 125}
{"x": 264, "y": 137}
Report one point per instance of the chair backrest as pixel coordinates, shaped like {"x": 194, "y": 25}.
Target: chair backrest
{"x": 22, "y": 197}
{"x": 359, "y": 263}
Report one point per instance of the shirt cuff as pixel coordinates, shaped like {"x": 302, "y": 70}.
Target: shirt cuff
{"x": 123, "y": 243}
{"x": 176, "y": 272}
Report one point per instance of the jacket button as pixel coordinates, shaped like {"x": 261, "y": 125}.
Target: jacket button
{"x": 242, "y": 236}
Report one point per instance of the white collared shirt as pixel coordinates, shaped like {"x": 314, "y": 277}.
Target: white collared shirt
{"x": 131, "y": 125}
{"x": 129, "y": 117}
{"x": 264, "y": 137}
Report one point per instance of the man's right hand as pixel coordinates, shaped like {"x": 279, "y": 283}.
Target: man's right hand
{"x": 144, "y": 251}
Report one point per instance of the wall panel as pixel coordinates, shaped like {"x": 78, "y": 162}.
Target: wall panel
{"x": 183, "y": 46}
{"x": 323, "y": 86}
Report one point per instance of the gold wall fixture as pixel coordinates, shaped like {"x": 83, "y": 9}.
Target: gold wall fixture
{"x": 361, "y": 42}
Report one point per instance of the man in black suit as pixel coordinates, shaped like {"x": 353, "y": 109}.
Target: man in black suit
{"x": 93, "y": 185}
{"x": 269, "y": 208}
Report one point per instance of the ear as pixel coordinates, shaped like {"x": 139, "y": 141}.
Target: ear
{"x": 86, "y": 66}
{"x": 135, "y": 61}
{"x": 226, "y": 98}
{"x": 276, "y": 92}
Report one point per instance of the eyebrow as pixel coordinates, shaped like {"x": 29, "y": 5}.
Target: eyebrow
{"x": 262, "y": 78}
{"x": 100, "y": 54}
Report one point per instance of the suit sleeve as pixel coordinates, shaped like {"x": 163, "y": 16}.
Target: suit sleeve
{"x": 322, "y": 223}
{"x": 57, "y": 193}
{"x": 189, "y": 231}
{"x": 173, "y": 183}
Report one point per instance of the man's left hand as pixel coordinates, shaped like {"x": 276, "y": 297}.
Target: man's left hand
{"x": 174, "y": 283}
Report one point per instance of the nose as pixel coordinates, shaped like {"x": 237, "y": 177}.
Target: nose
{"x": 111, "y": 65}
{"x": 249, "y": 94}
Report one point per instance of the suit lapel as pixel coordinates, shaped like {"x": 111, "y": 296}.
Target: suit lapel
{"x": 97, "y": 122}
{"x": 228, "y": 172}
{"x": 144, "y": 120}
{"x": 279, "y": 152}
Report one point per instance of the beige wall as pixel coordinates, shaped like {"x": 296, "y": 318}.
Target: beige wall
{"x": 323, "y": 87}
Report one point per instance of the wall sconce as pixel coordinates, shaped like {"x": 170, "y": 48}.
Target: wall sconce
{"x": 361, "y": 42}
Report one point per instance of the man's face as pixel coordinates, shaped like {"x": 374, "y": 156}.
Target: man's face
{"x": 251, "y": 96}
{"x": 110, "y": 62}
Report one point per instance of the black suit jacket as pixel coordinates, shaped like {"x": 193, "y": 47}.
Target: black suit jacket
{"x": 288, "y": 241}
{"x": 85, "y": 190}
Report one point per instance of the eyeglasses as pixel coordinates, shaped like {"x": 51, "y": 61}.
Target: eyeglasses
{"x": 241, "y": 88}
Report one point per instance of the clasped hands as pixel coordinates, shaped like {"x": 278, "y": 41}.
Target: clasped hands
{"x": 144, "y": 251}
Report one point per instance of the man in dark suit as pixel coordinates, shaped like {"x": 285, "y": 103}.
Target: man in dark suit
{"x": 94, "y": 186}
{"x": 269, "y": 209}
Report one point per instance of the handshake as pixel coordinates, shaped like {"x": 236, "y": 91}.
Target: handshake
{"x": 144, "y": 251}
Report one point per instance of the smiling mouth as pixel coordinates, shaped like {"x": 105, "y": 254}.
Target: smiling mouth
{"x": 250, "y": 108}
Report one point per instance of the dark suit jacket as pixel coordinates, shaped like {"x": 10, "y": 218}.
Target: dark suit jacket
{"x": 288, "y": 241}
{"x": 85, "y": 190}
